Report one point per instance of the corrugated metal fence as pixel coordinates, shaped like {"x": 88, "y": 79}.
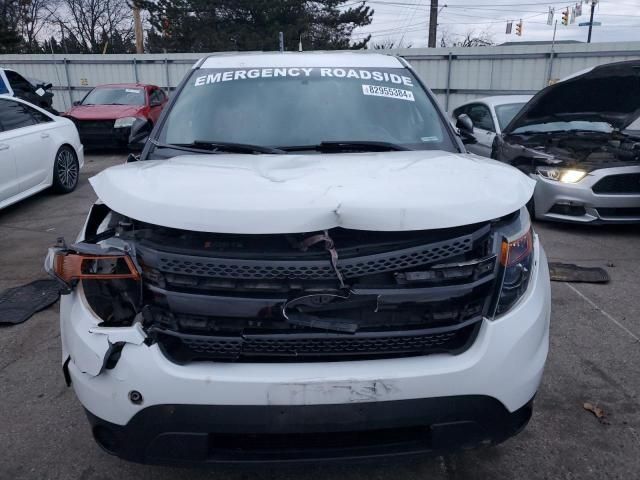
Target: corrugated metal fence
{"x": 454, "y": 74}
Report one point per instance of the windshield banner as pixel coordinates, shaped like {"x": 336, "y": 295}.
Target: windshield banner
{"x": 232, "y": 75}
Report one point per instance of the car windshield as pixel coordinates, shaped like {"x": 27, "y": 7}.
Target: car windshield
{"x": 302, "y": 107}
{"x": 583, "y": 125}
{"x": 634, "y": 126}
{"x": 115, "y": 96}
{"x": 505, "y": 113}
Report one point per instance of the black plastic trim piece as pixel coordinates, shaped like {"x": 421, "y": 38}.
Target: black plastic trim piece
{"x": 296, "y": 347}
{"x": 237, "y": 268}
{"x": 233, "y": 434}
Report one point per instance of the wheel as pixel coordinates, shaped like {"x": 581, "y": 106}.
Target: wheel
{"x": 66, "y": 170}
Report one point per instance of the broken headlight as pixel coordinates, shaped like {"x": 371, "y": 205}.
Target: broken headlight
{"x": 564, "y": 175}
{"x": 517, "y": 261}
{"x": 124, "y": 122}
{"x": 69, "y": 267}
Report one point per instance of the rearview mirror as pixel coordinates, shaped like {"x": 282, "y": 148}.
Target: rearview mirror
{"x": 464, "y": 124}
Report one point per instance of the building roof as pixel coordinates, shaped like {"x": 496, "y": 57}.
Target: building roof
{"x": 539, "y": 42}
{"x": 301, "y": 59}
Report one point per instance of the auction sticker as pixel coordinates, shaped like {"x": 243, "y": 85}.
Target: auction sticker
{"x": 389, "y": 92}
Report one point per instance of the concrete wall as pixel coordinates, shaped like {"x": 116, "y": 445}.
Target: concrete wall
{"x": 454, "y": 74}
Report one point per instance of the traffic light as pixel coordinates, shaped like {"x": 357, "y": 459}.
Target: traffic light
{"x": 565, "y": 17}
{"x": 519, "y": 28}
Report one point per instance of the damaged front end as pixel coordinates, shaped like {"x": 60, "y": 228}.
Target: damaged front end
{"x": 586, "y": 177}
{"x": 579, "y": 140}
{"x": 332, "y": 295}
{"x": 548, "y": 152}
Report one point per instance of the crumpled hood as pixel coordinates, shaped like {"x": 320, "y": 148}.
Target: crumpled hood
{"x": 103, "y": 112}
{"x": 608, "y": 93}
{"x": 390, "y": 191}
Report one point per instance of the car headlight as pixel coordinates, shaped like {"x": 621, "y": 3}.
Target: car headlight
{"x": 124, "y": 122}
{"x": 516, "y": 258}
{"x": 564, "y": 175}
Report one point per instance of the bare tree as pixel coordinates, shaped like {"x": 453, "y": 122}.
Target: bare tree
{"x": 94, "y": 24}
{"x": 32, "y": 18}
{"x": 471, "y": 38}
{"x": 388, "y": 44}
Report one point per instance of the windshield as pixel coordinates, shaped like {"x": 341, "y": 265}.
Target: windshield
{"x": 565, "y": 126}
{"x": 634, "y": 126}
{"x": 115, "y": 96}
{"x": 289, "y": 107}
{"x": 505, "y": 113}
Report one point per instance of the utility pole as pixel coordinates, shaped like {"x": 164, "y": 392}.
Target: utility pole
{"x": 552, "y": 54}
{"x": 433, "y": 23}
{"x": 137, "y": 22}
{"x": 593, "y": 6}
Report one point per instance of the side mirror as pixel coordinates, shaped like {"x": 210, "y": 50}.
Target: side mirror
{"x": 464, "y": 124}
{"x": 136, "y": 142}
{"x": 156, "y": 104}
{"x": 139, "y": 134}
{"x": 76, "y": 103}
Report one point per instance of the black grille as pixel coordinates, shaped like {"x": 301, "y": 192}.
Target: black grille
{"x": 94, "y": 126}
{"x": 619, "y": 212}
{"x": 306, "y": 269}
{"x": 627, "y": 183}
{"x": 288, "y": 306}
{"x": 321, "y": 346}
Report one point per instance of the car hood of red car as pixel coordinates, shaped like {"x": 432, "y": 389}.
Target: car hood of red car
{"x": 104, "y": 112}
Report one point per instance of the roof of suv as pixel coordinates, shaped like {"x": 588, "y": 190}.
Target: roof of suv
{"x": 296, "y": 59}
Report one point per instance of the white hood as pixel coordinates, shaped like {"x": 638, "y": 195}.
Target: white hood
{"x": 414, "y": 190}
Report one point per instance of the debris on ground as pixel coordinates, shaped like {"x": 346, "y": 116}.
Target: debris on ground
{"x": 597, "y": 411}
{"x": 18, "y": 304}
{"x": 568, "y": 272}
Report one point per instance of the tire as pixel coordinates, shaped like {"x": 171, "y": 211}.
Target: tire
{"x": 66, "y": 170}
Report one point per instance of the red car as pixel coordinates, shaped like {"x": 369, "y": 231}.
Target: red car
{"x": 108, "y": 114}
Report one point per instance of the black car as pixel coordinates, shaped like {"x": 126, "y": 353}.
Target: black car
{"x": 33, "y": 91}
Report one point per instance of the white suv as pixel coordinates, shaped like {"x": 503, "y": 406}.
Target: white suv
{"x": 304, "y": 264}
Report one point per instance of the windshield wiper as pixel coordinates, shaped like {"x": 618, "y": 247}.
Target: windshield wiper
{"x": 349, "y": 145}
{"x": 205, "y": 146}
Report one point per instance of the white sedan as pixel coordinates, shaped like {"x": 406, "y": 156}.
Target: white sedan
{"x": 490, "y": 115}
{"x": 38, "y": 150}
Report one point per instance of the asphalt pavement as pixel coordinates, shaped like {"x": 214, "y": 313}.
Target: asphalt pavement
{"x": 594, "y": 357}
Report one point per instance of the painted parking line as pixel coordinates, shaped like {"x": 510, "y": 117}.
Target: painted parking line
{"x": 607, "y": 315}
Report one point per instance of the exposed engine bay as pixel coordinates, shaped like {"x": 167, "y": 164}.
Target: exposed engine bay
{"x": 586, "y": 150}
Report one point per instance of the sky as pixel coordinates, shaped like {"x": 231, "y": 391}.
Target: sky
{"x": 407, "y": 21}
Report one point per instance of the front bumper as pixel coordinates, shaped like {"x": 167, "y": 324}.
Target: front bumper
{"x": 499, "y": 373}
{"x": 179, "y": 434}
{"x": 577, "y": 203}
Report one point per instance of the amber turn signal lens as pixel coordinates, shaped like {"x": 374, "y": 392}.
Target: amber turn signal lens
{"x": 73, "y": 266}
{"x": 512, "y": 252}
